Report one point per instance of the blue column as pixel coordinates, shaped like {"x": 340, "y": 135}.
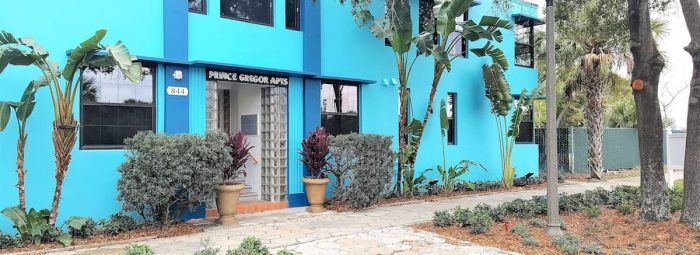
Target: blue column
{"x": 160, "y": 98}
{"x": 198, "y": 100}
{"x": 295, "y": 171}
{"x": 176, "y": 107}
{"x": 175, "y": 30}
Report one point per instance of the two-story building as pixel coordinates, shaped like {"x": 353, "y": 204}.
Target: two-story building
{"x": 274, "y": 69}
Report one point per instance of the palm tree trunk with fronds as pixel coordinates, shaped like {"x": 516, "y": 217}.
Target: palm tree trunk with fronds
{"x": 63, "y": 139}
{"x": 648, "y": 64}
{"x": 594, "y": 123}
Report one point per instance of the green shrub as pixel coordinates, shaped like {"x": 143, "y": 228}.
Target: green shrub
{"x": 592, "y": 248}
{"x": 33, "y": 226}
{"x": 366, "y": 163}
{"x": 499, "y": 213}
{"x": 625, "y": 209}
{"x": 567, "y": 244}
{"x": 443, "y": 219}
{"x": 285, "y": 252}
{"x": 591, "y": 211}
{"x": 596, "y": 197}
{"x": 479, "y": 222}
{"x": 630, "y": 195}
{"x": 676, "y": 196}
{"x": 526, "y": 181}
{"x": 207, "y": 248}
{"x": 249, "y": 246}
{"x": 521, "y": 208}
{"x": 529, "y": 241}
{"x": 9, "y": 242}
{"x": 138, "y": 249}
{"x": 117, "y": 223}
{"x": 562, "y": 225}
{"x": 537, "y": 222}
{"x": 87, "y": 230}
{"x": 163, "y": 174}
{"x": 521, "y": 230}
{"x": 461, "y": 216}
{"x": 571, "y": 202}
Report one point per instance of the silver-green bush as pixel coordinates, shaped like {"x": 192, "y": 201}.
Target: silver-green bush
{"x": 163, "y": 175}
{"x": 363, "y": 165}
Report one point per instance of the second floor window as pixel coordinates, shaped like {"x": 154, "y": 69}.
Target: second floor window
{"x": 339, "y": 108}
{"x": 527, "y": 128}
{"x": 254, "y": 11}
{"x": 197, "y": 6}
{"x": 460, "y": 48}
{"x": 525, "y": 45}
{"x": 292, "y": 12}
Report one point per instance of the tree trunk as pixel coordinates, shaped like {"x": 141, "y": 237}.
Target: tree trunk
{"x": 648, "y": 64}
{"x": 594, "y": 123}
{"x": 20, "y": 170}
{"x": 63, "y": 141}
{"x": 691, "y": 179}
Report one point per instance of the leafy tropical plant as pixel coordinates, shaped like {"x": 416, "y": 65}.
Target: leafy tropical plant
{"x": 91, "y": 52}
{"x": 316, "y": 153}
{"x": 138, "y": 249}
{"x": 240, "y": 153}
{"x": 249, "y": 246}
{"x": 34, "y": 227}
{"x": 499, "y": 94}
{"x": 23, "y": 109}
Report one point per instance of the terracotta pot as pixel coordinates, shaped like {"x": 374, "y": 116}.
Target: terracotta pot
{"x": 315, "y": 193}
{"x": 227, "y": 202}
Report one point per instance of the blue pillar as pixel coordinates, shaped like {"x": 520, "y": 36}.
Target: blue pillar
{"x": 198, "y": 100}
{"x": 175, "y": 30}
{"x": 297, "y": 197}
{"x": 176, "y": 106}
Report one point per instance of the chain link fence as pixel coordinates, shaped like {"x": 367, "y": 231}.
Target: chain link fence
{"x": 620, "y": 149}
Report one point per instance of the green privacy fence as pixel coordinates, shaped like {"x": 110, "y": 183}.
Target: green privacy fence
{"x": 620, "y": 149}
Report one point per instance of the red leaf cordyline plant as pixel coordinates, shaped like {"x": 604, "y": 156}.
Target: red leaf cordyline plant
{"x": 315, "y": 153}
{"x": 240, "y": 152}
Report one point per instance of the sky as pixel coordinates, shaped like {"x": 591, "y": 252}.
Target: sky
{"x": 679, "y": 67}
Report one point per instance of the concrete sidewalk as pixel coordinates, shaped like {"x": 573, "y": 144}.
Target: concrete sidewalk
{"x": 381, "y": 230}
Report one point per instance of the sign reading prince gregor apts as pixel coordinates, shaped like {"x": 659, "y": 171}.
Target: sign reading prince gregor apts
{"x": 260, "y": 79}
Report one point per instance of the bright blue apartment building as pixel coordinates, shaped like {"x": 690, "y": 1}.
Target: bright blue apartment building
{"x": 271, "y": 68}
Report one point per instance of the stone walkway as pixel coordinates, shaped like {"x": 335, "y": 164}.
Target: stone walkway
{"x": 381, "y": 230}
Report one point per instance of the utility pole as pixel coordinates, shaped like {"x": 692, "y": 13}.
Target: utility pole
{"x": 553, "y": 221}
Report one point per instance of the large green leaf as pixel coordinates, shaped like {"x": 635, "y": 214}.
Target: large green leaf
{"x": 496, "y": 54}
{"x": 76, "y": 56}
{"x": 64, "y": 239}
{"x": 492, "y": 21}
{"x": 446, "y": 13}
{"x": 76, "y": 222}
{"x": 14, "y": 56}
{"x": 444, "y": 121}
{"x": 125, "y": 61}
{"x": 18, "y": 218}
{"x": 5, "y": 113}
{"x": 442, "y": 56}
{"x": 401, "y": 25}
{"x": 424, "y": 43}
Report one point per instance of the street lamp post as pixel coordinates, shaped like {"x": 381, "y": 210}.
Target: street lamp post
{"x": 553, "y": 221}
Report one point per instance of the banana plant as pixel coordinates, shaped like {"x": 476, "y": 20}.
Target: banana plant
{"x": 89, "y": 53}
{"x": 22, "y": 109}
{"x": 499, "y": 94}
{"x": 34, "y": 227}
{"x": 446, "y": 12}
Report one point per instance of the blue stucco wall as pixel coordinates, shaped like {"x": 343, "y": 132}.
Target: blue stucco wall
{"x": 343, "y": 51}
{"x": 90, "y": 186}
{"x": 346, "y": 52}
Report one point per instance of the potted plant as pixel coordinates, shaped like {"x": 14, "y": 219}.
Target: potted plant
{"x": 315, "y": 153}
{"x": 229, "y": 191}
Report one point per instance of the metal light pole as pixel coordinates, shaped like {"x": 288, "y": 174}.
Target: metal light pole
{"x": 553, "y": 221}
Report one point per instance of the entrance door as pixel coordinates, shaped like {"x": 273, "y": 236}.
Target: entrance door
{"x": 240, "y": 109}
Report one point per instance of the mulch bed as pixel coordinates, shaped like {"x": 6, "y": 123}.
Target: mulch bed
{"x": 611, "y": 230}
{"x": 149, "y": 231}
{"x": 342, "y": 207}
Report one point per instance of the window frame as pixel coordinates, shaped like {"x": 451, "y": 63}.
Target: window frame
{"x": 463, "y": 41}
{"x": 204, "y": 11}
{"x": 297, "y": 15}
{"x": 453, "y": 119}
{"x": 359, "y": 101}
{"x": 531, "y": 120}
{"x": 530, "y": 46}
{"x": 154, "y": 121}
{"x": 272, "y": 15}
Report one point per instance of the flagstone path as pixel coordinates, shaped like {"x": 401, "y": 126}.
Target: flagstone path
{"x": 381, "y": 230}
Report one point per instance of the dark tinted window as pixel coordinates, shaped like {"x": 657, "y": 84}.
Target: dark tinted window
{"x": 114, "y": 108}
{"x": 292, "y": 14}
{"x": 524, "y": 45}
{"x": 426, "y": 17}
{"x": 527, "y": 128}
{"x": 339, "y": 108}
{"x": 198, "y": 6}
{"x": 451, "y": 113}
{"x": 255, "y": 11}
